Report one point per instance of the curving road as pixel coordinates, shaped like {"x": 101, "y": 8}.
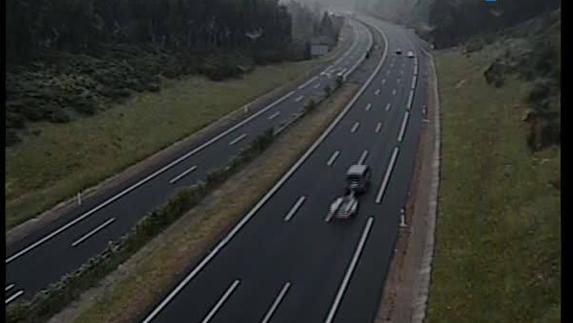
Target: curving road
{"x": 283, "y": 262}
{"x": 62, "y": 246}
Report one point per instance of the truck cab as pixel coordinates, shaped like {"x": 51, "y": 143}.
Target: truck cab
{"x": 358, "y": 178}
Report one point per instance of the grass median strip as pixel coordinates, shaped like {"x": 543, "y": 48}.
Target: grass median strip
{"x": 170, "y": 256}
{"x": 498, "y": 248}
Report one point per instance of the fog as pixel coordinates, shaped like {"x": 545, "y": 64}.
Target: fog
{"x": 400, "y": 11}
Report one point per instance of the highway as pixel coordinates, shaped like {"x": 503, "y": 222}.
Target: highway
{"x": 283, "y": 262}
{"x": 61, "y": 247}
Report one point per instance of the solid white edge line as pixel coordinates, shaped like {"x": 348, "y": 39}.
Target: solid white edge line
{"x": 378, "y": 127}
{"x": 143, "y": 181}
{"x": 274, "y": 115}
{"x": 355, "y": 127}
{"x": 363, "y": 157}
{"x": 295, "y": 208}
{"x": 332, "y": 158}
{"x": 305, "y": 84}
{"x": 276, "y": 303}
{"x": 14, "y": 296}
{"x": 349, "y": 271}
{"x": 271, "y": 192}
{"x": 403, "y": 128}
{"x": 9, "y": 287}
{"x": 221, "y": 301}
{"x": 236, "y": 140}
{"x": 91, "y": 233}
{"x": 185, "y": 173}
{"x": 387, "y": 176}
{"x": 410, "y": 99}
{"x": 368, "y": 106}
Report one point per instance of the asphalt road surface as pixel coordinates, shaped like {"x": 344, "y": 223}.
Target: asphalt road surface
{"x": 62, "y": 246}
{"x": 284, "y": 262}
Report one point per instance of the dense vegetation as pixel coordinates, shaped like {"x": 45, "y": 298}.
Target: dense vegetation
{"x": 455, "y": 21}
{"x": 67, "y": 58}
{"x": 533, "y": 53}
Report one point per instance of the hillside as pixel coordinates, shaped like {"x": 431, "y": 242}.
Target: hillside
{"x": 498, "y": 252}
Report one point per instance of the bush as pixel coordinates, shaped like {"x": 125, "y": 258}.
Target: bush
{"x": 327, "y": 90}
{"x": 310, "y": 106}
{"x": 495, "y": 74}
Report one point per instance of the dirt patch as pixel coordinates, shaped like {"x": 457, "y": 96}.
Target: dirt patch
{"x": 163, "y": 262}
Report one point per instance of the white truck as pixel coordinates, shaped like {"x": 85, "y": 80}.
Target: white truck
{"x": 346, "y": 206}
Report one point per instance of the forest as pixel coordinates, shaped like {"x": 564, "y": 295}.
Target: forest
{"x": 70, "y": 58}
{"x": 456, "y": 21}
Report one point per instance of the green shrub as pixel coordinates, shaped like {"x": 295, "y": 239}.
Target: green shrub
{"x": 310, "y": 106}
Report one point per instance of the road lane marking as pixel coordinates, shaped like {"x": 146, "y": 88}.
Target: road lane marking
{"x": 274, "y": 115}
{"x": 349, "y": 271}
{"x": 317, "y": 85}
{"x": 333, "y": 158}
{"x": 355, "y": 127}
{"x": 414, "y": 82}
{"x": 222, "y": 243}
{"x": 295, "y": 208}
{"x": 401, "y": 72}
{"x": 299, "y": 98}
{"x": 383, "y": 81}
{"x": 403, "y": 128}
{"x": 221, "y": 301}
{"x": 94, "y": 231}
{"x": 9, "y": 287}
{"x": 363, "y": 157}
{"x": 377, "y": 92}
{"x": 378, "y": 127}
{"x": 416, "y": 70}
{"x": 14, "y": 296}
{"x": 368, "y": 106}
{"x": 355, "y": 66}
{"x": 394, "y": 92}
{"x": 305, "y": 84}
{"x": 388, "y": 106}
{"x": 410, "y": 100}
{"x": 387, "y": 175}
{"x": 388, "y": 73}
{"x": 236, "y": 140}
{"x": 143, "y": 181}
{"x": 180, "y": 176}
{"x": 276, "y": 303}
{"x": 398, "y": 80}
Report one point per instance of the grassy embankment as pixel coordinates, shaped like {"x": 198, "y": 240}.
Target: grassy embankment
{"x": 162, "y": 262}
{"x": 66, "y": 158}
{"x": 498, "y": 251}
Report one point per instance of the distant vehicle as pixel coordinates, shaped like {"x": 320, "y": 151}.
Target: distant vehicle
{"x": 398, "y": 51}
{"x": 358, "y": 179}
{"x": 344, "y": 207}
{"x": 410, "y": 54}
